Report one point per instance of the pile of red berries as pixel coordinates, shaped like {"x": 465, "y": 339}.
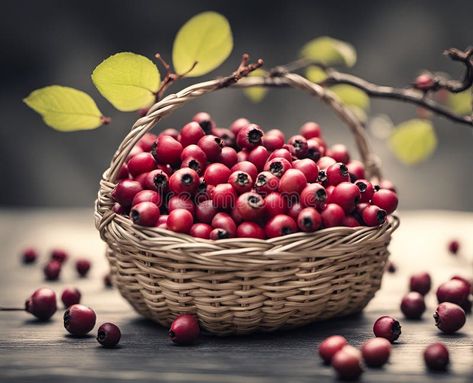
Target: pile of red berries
{"x": 217, "y": 183}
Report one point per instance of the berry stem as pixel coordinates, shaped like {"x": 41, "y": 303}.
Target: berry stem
{"x": 409, "y": 94}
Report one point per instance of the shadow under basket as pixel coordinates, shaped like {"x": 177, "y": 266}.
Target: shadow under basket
{"x": 242, "y": 285}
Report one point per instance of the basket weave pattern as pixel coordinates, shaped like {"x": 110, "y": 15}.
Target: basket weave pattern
{"x": 243, "y": 285}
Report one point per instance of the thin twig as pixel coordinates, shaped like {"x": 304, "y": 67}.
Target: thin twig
{"x": 243, "y": 70}
{"x": 409, "y": 95}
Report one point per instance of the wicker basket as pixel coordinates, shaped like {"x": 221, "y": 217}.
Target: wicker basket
{"x": 237, "y": 286}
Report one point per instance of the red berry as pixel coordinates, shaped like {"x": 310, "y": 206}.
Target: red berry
{"x": 125, "y": 191}
{"x": 228, "y": 157}
{"x": 247, "y": 167}
{"x": 314, "y": 150}
{"x": 156, "y": 180}
{"x": 277, "y": 166}
{"x": 184, "y": 329}
{"x": 277, "y": 132}
{"x": 346, "y": 195}
{"x": 52, "y": 270}
{"x": 224, "y": 197}
{"x": 216, "y": 174}
{"x": 134, "y": 151}
{"x": 205, "y": 211}
{"x": 313, "y": 195}
{"x": 250, "y": 206}
{"x": 376, "y": 352}
{"x": 195, "y": 164}
{"x": 281, "y": 153}
{"x": 200, "y": 230}
{"x": 181, "y": 202}
{"x": 146, "y": 142}
{"x": 424, "y": 81}
{"x": 366, "y": 190}
{"x": 350, "y": 221}
{"x": 144, "y": 214}
{"x": 141, "y": 163}
{"x": 325, "y": 162}
{"x": 266, "y": 182}
{"x": 386, "y": 184}
{"x": 123, "y": 173}
{"x": 275, "y": 204}
{"x": 193, "y": 151}
{"x": 59, "y": 255}
{"x": 413, "y": 305}
{"x": 454, "y": 291}
{"x": 449, "y": 317}
{"x": 147, "y": 196}
{"x": 330, "y": 346}
{"x": 310, "y": 130}
{"x": 70, "y": 296}
{"x": 83, "y": 266}
{"x": 337, "y": 173}
{"x": 242, "y": 155}
{"x": 272, "y": 141}
{"x": 385, "y": 199}
{"x": 292, "y": 182}
{"x": 79, "y": 320}
{"x": 239, "y": 124}
{"x": 453, "y": 246}
{"x": 436, "y": 357}
{"x": 241, "y": 182}
{"x": 339, "y": 153}
{"x": 420, "y": 283}
{"x": 347, "y": 363}
{"x": 205, "y": 121}
{"x": 258, "y": 156}
{"x": 211, "y": 146}
{"x": 225, "y": 222}
{"x": 166, "y": 150}
{"x": 356, "y": 170}
{"x": 42, "y": 303}
{"x": 170, "y": 132}
{"x": 280, "y": 224}
{"x": 373, "y": 216}
{"x": 332, "y": 215}
{"x": 219, "y": 233}
{"x": 387, "y": 327}
{"x": 309, "y": 220}
{"x": 108, "y": 335}
{"x": 250, "y": 230}
{"x": 308, "y": 167}
{"x": 180, "y": 221}
{"x": 184, "y": 181}
{"x": 294, "y": 209}
{"x": 249, "y": 137}
{"x": 29, "y": 255}
{"x": 300, "y": 145}
{"x": 191, "y": 133}
{"x": 468, "y": 282}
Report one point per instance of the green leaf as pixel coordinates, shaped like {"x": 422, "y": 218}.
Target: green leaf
{"x": 315, "y": 74}
{"x": 65, "y": 109}
{"x": 351, "y": 96}
{"x": 206, "y": 39}
{"x": 413, "y": 141}
{"x": 461, "y": 103}
{"x": 127, "y": 80}
{"x": 256, "y": 93}
{"x": 328, "y": 51}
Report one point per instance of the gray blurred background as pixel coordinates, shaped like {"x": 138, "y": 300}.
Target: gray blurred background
{"x": 59, "y": 42}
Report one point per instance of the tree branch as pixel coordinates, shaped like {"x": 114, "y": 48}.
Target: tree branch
{"x": 412, "y": 94}
{"x": 243, "y": 70}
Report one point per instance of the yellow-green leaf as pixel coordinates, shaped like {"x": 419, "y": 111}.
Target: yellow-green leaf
{"x": 351, "y": 96}
{"x": 328, "y": 51}
{"x": 461, "y": 103}
{"x": 65, "y": 109}
{"x": 127, "y": 80}
{"x": 206, "y": 39}
{"x": 315, "y": 74}
{"x": 256, "y": 93}
{"x": 413, "y": 141}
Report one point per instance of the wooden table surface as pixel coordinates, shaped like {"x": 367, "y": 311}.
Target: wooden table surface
{"x": 42, "y": 352}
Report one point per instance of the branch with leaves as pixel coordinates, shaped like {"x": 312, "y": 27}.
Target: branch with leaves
{"x": 132, "y": 82}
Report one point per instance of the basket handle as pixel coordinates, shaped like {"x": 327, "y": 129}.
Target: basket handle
{"x": 173, "y": 101}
